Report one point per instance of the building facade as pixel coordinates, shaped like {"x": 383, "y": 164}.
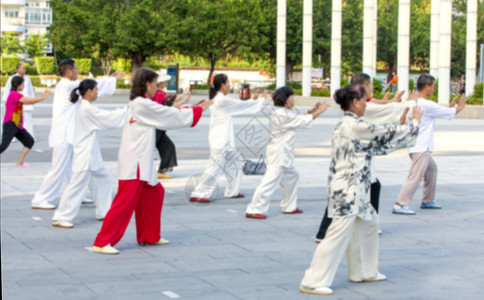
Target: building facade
{"x": 26, "y": 17}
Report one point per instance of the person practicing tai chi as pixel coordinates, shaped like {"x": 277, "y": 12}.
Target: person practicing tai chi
{"x": 354, "y": 228}
{"x": 280, "y": 155}
{"x": 28, "y": 91}
{"x": 61, "y": 135}
{"x": 381, "y": 112}
{"x": 139, "y": 189}
{"x": 224, "y": 157}
{"x": 13, "y": 119}
{"x": 166, "y": 147}
{"x": 423, "y": 166}
{"x": 87, "y": 165}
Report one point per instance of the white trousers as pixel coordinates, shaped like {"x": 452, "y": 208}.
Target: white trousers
{"x": 353, "y": 235}
{"x": 100, "y": 184}
{"x": 230, "y": 164}
{"x": 60, "y": 169}
{"x": 28, "y": 124}
{"x": 287, "y": 179}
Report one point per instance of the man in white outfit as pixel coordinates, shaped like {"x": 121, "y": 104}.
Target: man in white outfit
{"x": 61, "y": 137}
{"x": 423, "y": 166}
{"x": 28, "y": 91}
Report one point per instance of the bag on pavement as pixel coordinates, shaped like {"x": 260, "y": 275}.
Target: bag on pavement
{"x": 255, "y": 168}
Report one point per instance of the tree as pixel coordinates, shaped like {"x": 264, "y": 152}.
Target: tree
{"x": 218, "y": 28}
{"x": 35, "y": 45}
{"x": 146, "y": 28}
{"x": 79, "y": 29}
{"x": 11, "y": 44}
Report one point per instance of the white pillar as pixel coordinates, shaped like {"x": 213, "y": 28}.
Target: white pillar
{"x": 281, "y": 43}
{"x": 375, "y": 37}
{"x": 434, "y": 37}
{"x": 403, "y": 45}
{"x": 368, "y": 32}
{"x": 336, "y": 21}
{"x": 444, "y": 50}
{"x": 471, "y": 48}
{"x": 307, "y": 46}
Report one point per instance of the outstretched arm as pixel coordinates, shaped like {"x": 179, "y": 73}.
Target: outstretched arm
{"x": 28, "y": 100}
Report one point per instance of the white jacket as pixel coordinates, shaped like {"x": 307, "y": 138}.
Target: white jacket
{"x": 221, "y": 132}
{"x": 64, "y": 111}
{"x": 137, "y": 148}
{"x": 431, "y": 111}
{"x": 28, "y": 90}
{"x": 283, "y": 123}
{"x": 89, "y": 120}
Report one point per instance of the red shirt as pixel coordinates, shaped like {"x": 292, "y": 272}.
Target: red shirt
{"x": 159, "y": 97}
{"x": 14, "y": 109}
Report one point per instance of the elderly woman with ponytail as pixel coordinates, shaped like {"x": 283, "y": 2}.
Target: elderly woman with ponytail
{"x": 13, "y": 119}
{"x": 224, "y": 157}
{"x": 354, "y": 228}
{"x": 87, "y": 165}
{"x": 280, "y": 155}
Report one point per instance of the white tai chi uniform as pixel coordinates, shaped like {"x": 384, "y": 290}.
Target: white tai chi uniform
{"x": 224, "y": 157}
{"x": 280, "y": 162}
{"x": 385, "y": 114}
{"x": 87, "y": 165}
{"x": 61, "y": 136}
{"x": 28, "y": 91}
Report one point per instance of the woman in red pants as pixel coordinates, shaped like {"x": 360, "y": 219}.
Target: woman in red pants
{"x": 139, "y": 190}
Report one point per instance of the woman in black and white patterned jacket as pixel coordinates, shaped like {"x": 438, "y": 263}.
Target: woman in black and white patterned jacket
{"x": 354, "y": 228}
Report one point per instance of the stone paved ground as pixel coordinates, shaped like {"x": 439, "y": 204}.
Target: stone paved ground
{"x": 215, "y": 253}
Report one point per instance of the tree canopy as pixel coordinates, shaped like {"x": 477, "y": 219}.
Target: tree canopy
{"x": 214, "y": 30}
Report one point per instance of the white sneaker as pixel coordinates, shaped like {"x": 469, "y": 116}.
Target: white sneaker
{"x": 62, "y": 224}
{"x": 378, "y": 277}
{"x": 105, "y": 250}
{"x": 322, "y": 290}
{"x": 46, "y": 206}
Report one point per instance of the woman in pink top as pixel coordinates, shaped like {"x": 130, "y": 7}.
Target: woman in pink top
{"x": 13, "y": 122}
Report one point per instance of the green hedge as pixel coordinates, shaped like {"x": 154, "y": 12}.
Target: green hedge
{"x": 9, "y": 65}
{"x": 31, "y": 70}
{"x": 121, "y": 85}
{"x": 35, "y": 79}
{"x": 122, "y": 65}
{"x": 200, "y": 87}
{"x": 476, "y": 98}
{"x": 3, "y": 80}
{"x": 45, "y": 65}
{"x": 83, "y": 65}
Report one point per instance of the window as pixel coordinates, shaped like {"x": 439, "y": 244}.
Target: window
{"x": 47, "y": 4}
{"x": 11, "y": 12}
{"x": 46, "y": 16}
{"x": 33, "y": 16}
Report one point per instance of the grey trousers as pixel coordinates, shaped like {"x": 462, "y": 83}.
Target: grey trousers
{"x": 423, "y": 167}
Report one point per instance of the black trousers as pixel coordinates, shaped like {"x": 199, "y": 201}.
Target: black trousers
{"x": 10, "y": 130}
{"x": 374, "y": 199}
{"x": 167, "y": 151}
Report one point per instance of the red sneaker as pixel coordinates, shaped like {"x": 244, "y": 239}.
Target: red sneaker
{"x": 255, "y": 216}
{"x": 239, "y": 195}
{"x": 297, "y": 211}
{"x": 196, "y": 199}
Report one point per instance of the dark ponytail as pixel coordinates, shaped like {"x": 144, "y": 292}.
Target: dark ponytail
{"x": 344, "y": 97}
{"x": 16, "y": 82}
{"x": 218, "y": 80}
{"x": 84, "y": 86}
